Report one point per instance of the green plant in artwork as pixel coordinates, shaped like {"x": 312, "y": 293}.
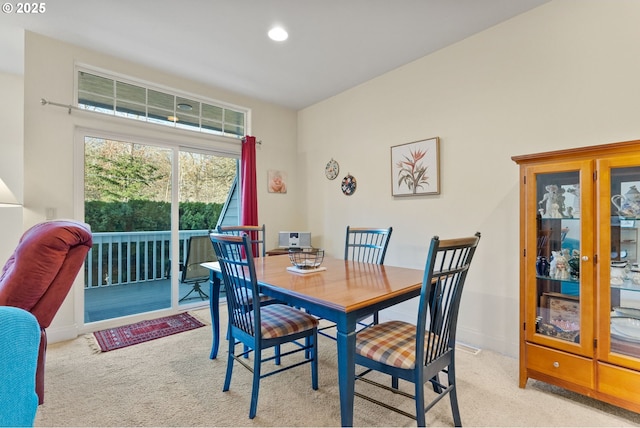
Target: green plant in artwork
{"x": 412, "y": 172}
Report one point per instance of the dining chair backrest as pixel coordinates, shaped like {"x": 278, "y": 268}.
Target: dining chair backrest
{"x": 446, "y": 270}
{"x": 238, "y": 273}
{"x": 256, "y": 235}
{"x": 369, "y": 245}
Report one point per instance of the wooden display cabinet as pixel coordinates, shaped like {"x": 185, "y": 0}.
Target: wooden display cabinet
{"x": 579, "y": 274}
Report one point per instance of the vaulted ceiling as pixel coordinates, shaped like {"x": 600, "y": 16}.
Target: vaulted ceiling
{"x": 333, "y": 45}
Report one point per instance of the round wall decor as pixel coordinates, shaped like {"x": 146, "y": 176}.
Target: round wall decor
{"x": 332, "y": 169}
{"x": 349, "y": 185}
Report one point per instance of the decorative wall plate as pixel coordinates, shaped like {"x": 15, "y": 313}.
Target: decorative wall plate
{"x": 332, "y": 169}
{"x": 349, "y": 185}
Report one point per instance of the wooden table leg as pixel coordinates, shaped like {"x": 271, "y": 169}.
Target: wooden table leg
{"x": 346, "y": 339}
{"x": 214, "y": 307}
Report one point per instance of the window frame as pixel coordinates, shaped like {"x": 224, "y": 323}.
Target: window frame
{"x": 235, "y": 129}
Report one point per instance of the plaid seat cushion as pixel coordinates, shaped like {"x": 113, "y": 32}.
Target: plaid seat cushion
{"x": 282, "y": 320}
{"x": 392, "y": 343}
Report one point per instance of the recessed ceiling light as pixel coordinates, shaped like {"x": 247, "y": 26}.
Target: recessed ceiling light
{"x": 185, "y": 106}
{"x": 278, "y": 34}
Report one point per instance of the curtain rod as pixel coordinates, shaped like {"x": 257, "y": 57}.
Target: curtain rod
{"x": 257, "y": 141}
{"x": 44, "y": 102}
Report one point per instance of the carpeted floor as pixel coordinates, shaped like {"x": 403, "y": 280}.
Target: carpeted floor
{"x": 172, "y": 382}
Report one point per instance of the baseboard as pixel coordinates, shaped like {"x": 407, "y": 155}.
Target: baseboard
{"x": 61, "y": 334}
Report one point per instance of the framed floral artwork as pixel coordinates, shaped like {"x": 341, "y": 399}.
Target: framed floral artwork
{"x": 415, "y": 168}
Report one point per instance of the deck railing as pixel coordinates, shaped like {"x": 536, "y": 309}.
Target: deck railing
{"x": 119, "y": 258}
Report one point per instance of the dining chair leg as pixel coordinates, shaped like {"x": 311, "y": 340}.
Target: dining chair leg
{"x": 435, "y": 382}
{"x": 453, "y": 396}
{"x": 419, "y": 399}
{"x": 307, "y": 354}
{"x": 214, "y": 310}
{"x": 227, "y": 379}
{"x": 256, "y": 382}
{"x": 394, "y": 382}
{"x": 277, "y": 350}
{"x": 314, "y": 362}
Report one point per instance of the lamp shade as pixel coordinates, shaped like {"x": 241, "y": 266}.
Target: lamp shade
{"x": 7, "y": 197}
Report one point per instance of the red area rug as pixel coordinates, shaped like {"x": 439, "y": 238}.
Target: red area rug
{"x": 132, "y": 334}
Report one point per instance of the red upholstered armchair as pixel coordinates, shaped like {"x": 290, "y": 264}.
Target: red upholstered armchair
{"x": 40, "y": 272}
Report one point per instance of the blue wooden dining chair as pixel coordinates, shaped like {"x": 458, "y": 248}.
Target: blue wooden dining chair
{"x": 369, "y": 245}
{"x": 257, "y": 239}
{"x": 256, "y": 236}
{"x": 419, "y": 353}
{"x": 364, "y": 244}
{"x": 262, "y": 327}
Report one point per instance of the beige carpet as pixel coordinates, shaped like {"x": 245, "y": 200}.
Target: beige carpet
{"x": 172, "y": 382}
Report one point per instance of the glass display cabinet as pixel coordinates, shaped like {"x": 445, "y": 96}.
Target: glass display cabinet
{"x": 579, "y": 271}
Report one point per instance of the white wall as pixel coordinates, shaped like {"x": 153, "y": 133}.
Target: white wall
{"x": 11, "y": 159}
{"x": 563, "y": 75}
{"x": 49, "y": 143}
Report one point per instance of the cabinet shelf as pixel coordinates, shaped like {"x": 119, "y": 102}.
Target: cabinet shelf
{"x": 624, "y": 346}
{"x": 627, "y": 285}
{"x": 572, "y": 280}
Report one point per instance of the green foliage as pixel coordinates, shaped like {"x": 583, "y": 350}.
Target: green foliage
{"x": 142, "y": 215}
{"x": 128, "y": 187}
{"x": 122, "y": 176}
{"x": 199, "y": 215}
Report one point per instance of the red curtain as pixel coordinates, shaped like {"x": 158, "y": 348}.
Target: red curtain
{"x": 248, "y": 189}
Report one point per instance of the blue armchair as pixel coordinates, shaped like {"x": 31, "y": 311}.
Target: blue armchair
{"x": 19, "y": 344}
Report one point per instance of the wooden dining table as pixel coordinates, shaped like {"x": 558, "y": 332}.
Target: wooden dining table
{"x": 344, "y": 293}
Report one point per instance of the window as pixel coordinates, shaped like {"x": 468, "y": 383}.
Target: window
{"x": 133, "y": 100}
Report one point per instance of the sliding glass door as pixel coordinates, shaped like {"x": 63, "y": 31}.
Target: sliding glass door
{"x": 128, "y": 205}
{"x": 205, "y": 188}
{"x": 130, "y": 193}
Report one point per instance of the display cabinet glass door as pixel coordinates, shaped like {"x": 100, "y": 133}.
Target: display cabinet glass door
{"x": 558, "y": 256}
{"x": 561, "y": 303}
{"x": 620, "y": 273}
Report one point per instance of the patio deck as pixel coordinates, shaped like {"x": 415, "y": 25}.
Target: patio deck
{"x": 101, "y": 303}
